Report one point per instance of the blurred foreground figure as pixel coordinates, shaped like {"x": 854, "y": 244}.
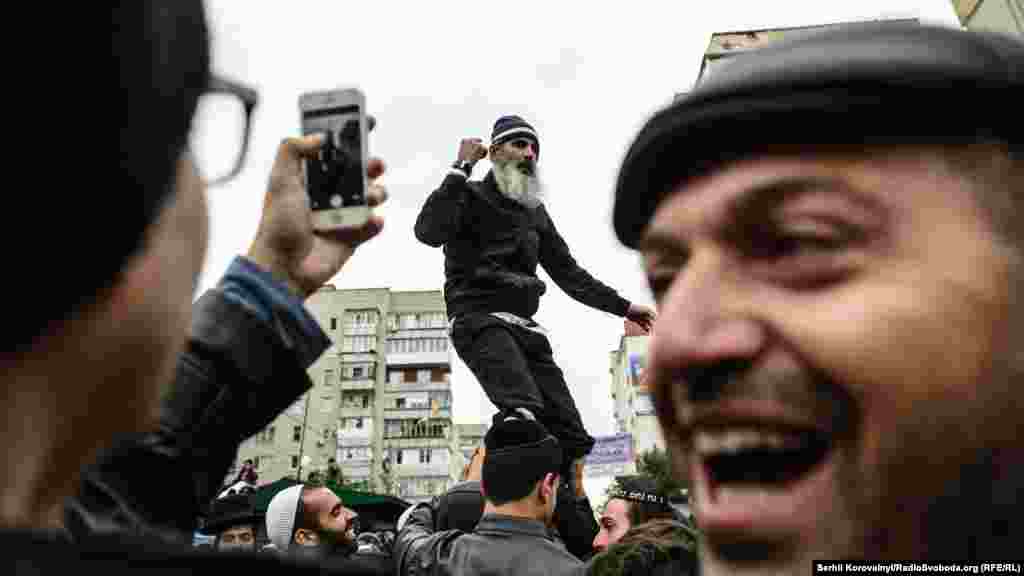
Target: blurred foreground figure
{"x": 837, "y": 359}
{"x": 124, "y": 402}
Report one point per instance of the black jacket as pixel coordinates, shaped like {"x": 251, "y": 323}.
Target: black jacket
{"x": 138, "y": 505}
{"x": 492, "y": 246}
{"x": 236, "y": 375}
{"x": 499, "y": 546}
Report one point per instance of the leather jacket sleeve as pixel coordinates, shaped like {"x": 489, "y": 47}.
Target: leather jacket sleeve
{"x": 418, "y": 549}
{"x": 236, "y": 375}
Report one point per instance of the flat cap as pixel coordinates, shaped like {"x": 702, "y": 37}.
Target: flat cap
{"x": 860, "y": 84}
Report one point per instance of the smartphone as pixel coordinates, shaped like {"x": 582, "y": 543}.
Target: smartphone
{"x": 336, "y": 178}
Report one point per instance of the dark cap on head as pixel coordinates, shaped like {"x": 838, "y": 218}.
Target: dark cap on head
{"x": 231, "y": 511}
{"x": 864, "y": 83}
{"x": 509, "y": 128}
{"x": 520, "y": 452}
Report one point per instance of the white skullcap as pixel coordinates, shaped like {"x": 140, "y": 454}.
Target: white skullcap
{"x": 281, "y": 517}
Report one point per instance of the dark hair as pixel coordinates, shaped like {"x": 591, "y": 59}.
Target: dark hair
{"x": 161, "y": 50}
{"x": 306, "y": 518}
{"x": 656, "y": 547}
{"x": 642, "y": 512}
{"x": 519, "y": 454}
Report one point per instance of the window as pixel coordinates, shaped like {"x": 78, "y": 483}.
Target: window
{"x": 409, "y": 376}
{"x": 395, "y": 377}
{"x": 398, "y": 457}
{"x": 359, "y": 423}
{"x": 366, "y": 400}
{"x": 296, "y": 433}
{"x": 295, "y": 461}
{"x": 357, "y": 372}
{"x": 348, "y": 455}
{"x": 329, "y": 378}
{"x": 423, "y": 377}
{"x": 437, "y": 375}
{"x": 399, "y": 402}
{"x": 424, "y": 455}
{"x": 334, "y": 323}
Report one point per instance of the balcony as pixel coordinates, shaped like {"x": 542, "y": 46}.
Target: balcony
{"x": 357, "y": 357}
{"x": 361, "y": 384}
{"x": 410, "y": 442}
{"x": 418, "y": 358}
{"x": 356, "y": 411}
{"x": 360, "y": 329}
{"x": 418, "y": 470}
{"x": 418, "y": 387}
{"x": 416, "y": 413}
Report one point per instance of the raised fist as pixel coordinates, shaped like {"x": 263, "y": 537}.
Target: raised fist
{"x": 472, "y": 150}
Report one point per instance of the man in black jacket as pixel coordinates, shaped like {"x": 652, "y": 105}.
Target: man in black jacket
{"x": 494, "y": 234}
{"x": 520, "y": 485}
{"x": 102, "y": 459}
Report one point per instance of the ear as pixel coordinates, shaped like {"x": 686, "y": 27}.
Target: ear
{"x": 304, "y": 537}
{"x": 548, "y": 486}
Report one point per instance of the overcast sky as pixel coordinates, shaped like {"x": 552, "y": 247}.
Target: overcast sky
{"x": 586, "y": 75}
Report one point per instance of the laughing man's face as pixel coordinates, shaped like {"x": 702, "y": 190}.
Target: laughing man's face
{"x": 831, "y": 356}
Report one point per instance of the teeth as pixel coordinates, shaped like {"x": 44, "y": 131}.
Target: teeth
{"x": 733, "y": 441}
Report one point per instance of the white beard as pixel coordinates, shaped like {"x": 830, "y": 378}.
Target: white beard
{"x": 517, "y": 186}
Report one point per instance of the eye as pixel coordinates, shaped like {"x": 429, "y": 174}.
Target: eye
{"x": 659, "y": 283}
{"x": 804, "y": 253}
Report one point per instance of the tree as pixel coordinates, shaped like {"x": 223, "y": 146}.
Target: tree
{"x": 658, "y": 465}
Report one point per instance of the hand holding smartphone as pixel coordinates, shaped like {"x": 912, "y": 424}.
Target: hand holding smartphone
{"x": 336, "y": 179}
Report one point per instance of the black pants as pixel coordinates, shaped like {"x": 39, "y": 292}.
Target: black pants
{"x": 516, "y": 369}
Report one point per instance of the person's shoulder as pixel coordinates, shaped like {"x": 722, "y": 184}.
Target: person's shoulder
{"x": 34, "y": 552}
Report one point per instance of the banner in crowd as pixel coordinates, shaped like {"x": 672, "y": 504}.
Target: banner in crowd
{"x": 611, "y": 456}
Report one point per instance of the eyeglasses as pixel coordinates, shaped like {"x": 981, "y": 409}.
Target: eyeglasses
{"x": 219, "y": 139}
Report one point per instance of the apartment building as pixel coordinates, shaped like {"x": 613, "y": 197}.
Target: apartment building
{"x": 633, "y": 405}
{"x": 381, "y": 402}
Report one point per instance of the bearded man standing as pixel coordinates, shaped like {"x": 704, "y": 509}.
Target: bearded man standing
{"x": 494, "y": 233}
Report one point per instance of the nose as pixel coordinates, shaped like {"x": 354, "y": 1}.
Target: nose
{"x": 703, "y": 323}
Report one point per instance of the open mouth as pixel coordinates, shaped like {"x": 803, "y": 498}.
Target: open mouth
{"x": 758, "y": 487}
{"x": 759, "y": 457}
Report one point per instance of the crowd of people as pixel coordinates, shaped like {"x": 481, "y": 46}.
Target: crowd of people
{"x": 836, "y": 266}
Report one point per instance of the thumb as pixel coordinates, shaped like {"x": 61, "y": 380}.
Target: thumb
{"x": 293, "y": 151}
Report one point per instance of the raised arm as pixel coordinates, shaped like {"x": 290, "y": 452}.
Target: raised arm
{"x": 438, "y": 220}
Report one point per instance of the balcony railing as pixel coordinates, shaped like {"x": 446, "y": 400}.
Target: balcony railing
{"x": 356, "y": 411}
{"x": 361, "y": 384}
{"x": 416, "y": 413}
{"x": 418, "y": 386}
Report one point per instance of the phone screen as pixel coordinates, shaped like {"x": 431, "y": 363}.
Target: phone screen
{"x": 337, "y": 178}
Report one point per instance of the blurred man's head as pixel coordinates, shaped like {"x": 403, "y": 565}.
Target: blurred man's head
{"x": 115, "y": 326}
{"x": 232, "y": 520}
{"x": 514, "y": 152}
{"x": 520, "y": 471}
{"x": 837, "y": 352}
{"x": 632, "y": 501}
{"x": 310, "y": 518}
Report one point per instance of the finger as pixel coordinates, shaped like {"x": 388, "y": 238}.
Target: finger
{"x": 375, "y": 167}
{"x": 299, "y": 148}
{"x": 376, "y": 195}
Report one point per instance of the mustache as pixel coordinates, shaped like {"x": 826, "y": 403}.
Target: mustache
{"x": 685, "y": 394}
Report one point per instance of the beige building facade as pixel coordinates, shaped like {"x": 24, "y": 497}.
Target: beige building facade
{"x": 381, "y": 401}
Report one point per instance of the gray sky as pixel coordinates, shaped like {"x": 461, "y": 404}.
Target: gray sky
{"x": 586, "y": 75}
